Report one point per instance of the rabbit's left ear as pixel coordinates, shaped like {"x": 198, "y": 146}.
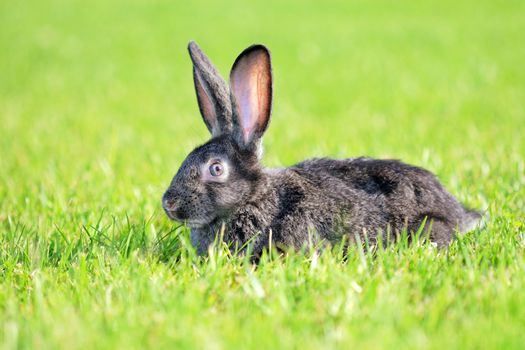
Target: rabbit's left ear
{"x": 213, "y": 95}
{"x": 251, "y": 88}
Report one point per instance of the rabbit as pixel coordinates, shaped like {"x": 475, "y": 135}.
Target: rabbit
{"x": 222, "y": 189}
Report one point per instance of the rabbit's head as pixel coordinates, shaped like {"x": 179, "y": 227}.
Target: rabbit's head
{"x": 217, "y": 177}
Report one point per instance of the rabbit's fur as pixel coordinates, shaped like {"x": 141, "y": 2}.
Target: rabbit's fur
{"x": 315, "y": 200}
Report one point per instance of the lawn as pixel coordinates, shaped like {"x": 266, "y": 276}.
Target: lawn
{"x": 97, "y": 111}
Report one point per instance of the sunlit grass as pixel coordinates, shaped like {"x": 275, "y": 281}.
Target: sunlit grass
{"x": 97, "y": 110}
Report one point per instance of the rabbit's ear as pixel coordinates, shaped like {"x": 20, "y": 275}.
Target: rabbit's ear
{"x": 251, "y": 87}
{"x": 212, "y": 92}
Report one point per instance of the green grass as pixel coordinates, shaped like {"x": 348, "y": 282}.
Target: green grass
{"x": 97, "y": 110}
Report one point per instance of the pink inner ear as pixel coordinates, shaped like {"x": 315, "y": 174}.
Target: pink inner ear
{"x": 206, "y": 106}
{"x": 251, "y": 85}
{"x": 207, "y": 109}
{"x": 248, "y": 104}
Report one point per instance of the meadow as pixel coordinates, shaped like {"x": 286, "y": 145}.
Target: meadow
{"x": 97, "y": 111}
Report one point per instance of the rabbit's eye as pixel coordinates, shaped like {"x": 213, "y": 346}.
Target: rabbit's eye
{"x": 216, "y": 169}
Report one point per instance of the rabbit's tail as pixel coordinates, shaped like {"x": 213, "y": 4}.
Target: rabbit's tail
{"x": 471, "y": 220}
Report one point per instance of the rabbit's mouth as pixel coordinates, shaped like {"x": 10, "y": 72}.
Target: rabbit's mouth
{"x": 189, "y": 223}
{"x": 195, "y": 223}
{"x": 192, "y": 223}
{"x": 172, "y": 214}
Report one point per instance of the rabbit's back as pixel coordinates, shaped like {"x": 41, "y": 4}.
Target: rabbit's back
{"x": 386, "y": 195}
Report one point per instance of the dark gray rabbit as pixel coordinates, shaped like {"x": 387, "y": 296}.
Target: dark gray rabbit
{"x": 222, "y": 186}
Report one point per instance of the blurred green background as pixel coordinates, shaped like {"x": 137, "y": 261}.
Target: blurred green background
{"x": 97, "y": 111}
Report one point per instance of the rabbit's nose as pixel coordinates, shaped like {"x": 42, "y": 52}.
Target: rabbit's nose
{"x": 170, "y": 204}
